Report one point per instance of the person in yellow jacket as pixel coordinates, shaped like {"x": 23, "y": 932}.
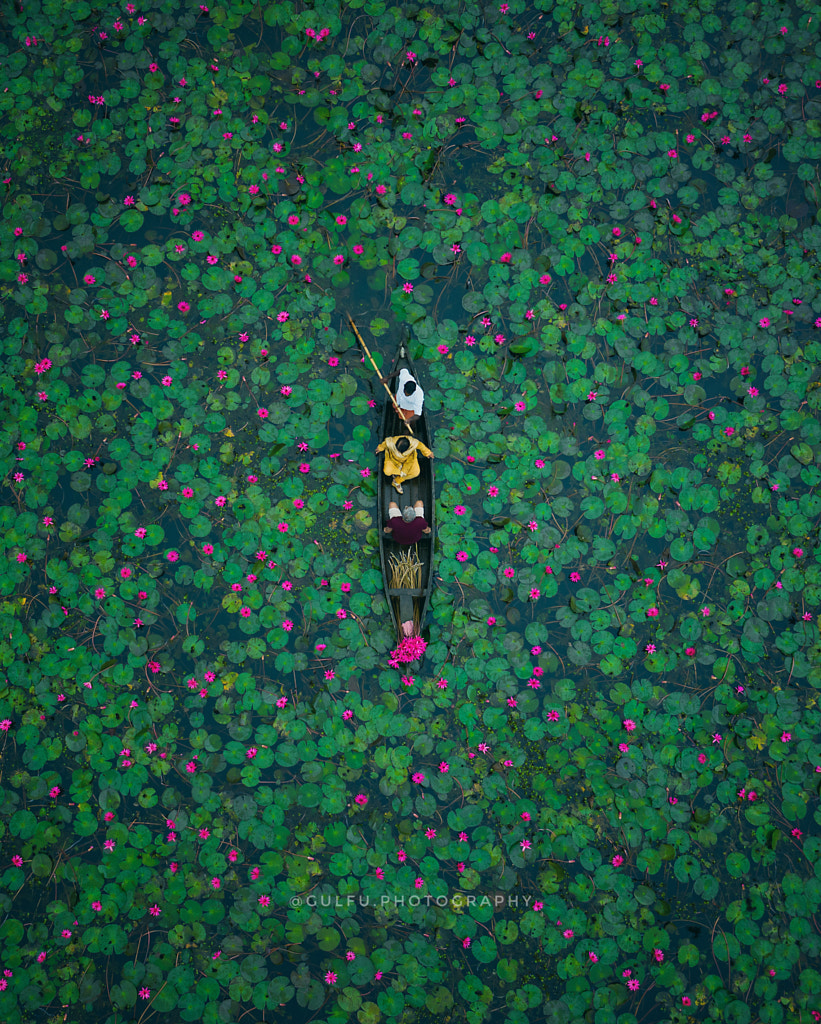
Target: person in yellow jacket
{"x": 401, "y": 460}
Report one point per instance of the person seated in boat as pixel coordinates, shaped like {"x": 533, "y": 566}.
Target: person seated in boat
{"x": 401, "y": 461}
{"x": 407, "y": 526}
{"x": 409, "y": 395}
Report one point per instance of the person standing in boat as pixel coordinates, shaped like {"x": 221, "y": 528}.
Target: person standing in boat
{"x": 407, "y": 526}
{"x": 409, "y": 395}
{"x": 401, "y": 461}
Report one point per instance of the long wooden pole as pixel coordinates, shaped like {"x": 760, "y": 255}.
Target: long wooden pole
{"x": 373, "y": 364}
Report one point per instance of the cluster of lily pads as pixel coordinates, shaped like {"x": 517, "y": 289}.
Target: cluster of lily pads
{"x": 227, "y": 791}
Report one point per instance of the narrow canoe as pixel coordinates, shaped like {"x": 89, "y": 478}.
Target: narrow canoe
{"x": 408, "y": 600}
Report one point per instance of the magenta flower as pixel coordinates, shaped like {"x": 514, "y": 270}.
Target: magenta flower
{"x": 410, "y": 648}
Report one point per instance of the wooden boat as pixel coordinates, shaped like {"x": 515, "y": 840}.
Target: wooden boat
{"x": 407, "y": 569}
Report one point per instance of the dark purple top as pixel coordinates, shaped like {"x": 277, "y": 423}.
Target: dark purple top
{"x": 407, "y": 533}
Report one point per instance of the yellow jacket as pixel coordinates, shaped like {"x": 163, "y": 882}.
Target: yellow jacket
{"x": 404, "y": 465}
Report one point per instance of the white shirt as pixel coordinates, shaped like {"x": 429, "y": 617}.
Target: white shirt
{"x": 413, "y": 402}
